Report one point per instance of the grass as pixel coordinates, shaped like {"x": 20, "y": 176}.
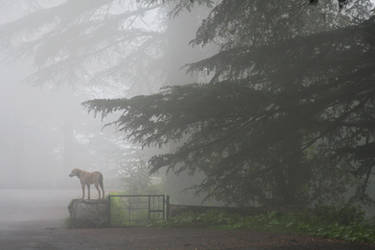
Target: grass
{"x": 329, "y": 222}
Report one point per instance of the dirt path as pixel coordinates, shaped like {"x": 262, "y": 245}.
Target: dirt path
{"x": 158, "y": 238}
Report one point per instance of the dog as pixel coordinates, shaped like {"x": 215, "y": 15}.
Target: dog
{"x": 88, "y": 178}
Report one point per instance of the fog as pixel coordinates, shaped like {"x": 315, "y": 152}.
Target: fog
{"x": 187, "y": 99}
{"x": 33, "y": 172}
{"x": 45, "y": 131}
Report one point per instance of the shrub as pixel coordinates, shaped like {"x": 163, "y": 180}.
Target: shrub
{"x": 346, "y": 223}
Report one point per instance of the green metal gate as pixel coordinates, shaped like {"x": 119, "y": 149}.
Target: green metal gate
{"x": 126, "y": 210}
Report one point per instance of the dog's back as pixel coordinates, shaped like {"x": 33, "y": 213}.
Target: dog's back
{"x": 91, "y": 178}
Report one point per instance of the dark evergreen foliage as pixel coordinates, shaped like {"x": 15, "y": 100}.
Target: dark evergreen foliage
{"x": 286, "y": 119}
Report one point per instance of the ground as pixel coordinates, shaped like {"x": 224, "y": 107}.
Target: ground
{"x": 29, "y": 220}
{"x": 159, "y": 238}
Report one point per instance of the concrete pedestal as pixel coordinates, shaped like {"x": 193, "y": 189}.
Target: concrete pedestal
{"x": 88, "y": 213}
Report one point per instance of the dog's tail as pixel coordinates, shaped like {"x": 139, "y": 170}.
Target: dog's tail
{"x": 101, "y": 184}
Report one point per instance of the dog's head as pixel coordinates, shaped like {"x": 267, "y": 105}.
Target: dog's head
{"x": 75, "y": 172}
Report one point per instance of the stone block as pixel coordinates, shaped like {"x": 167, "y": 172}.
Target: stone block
{"x": 88, "y": 213}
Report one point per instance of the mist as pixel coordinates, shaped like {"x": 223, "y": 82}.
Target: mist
{"x": 45, "y": 130}
{"x": 228, "y": 105}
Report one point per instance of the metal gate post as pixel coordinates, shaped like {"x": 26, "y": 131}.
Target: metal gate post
{"x": 163, "y": 207}
{"x": 167, "y": 208}
{"x": 149, "y": 208}
{"x": 109, "y": 211}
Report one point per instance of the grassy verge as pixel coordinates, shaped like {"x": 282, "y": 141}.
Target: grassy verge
{"x": 337, "y": 223}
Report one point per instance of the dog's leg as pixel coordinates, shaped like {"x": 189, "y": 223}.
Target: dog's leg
{"x": 83, "y": 191}
{"x": 103, "y": 193}
{"x": 101, "y": 186}
{"x": 97, "y": 188}
{"x": 88, "y": 188}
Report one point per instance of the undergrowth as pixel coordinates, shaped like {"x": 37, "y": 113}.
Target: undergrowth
{"x": 345, "y": 223}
